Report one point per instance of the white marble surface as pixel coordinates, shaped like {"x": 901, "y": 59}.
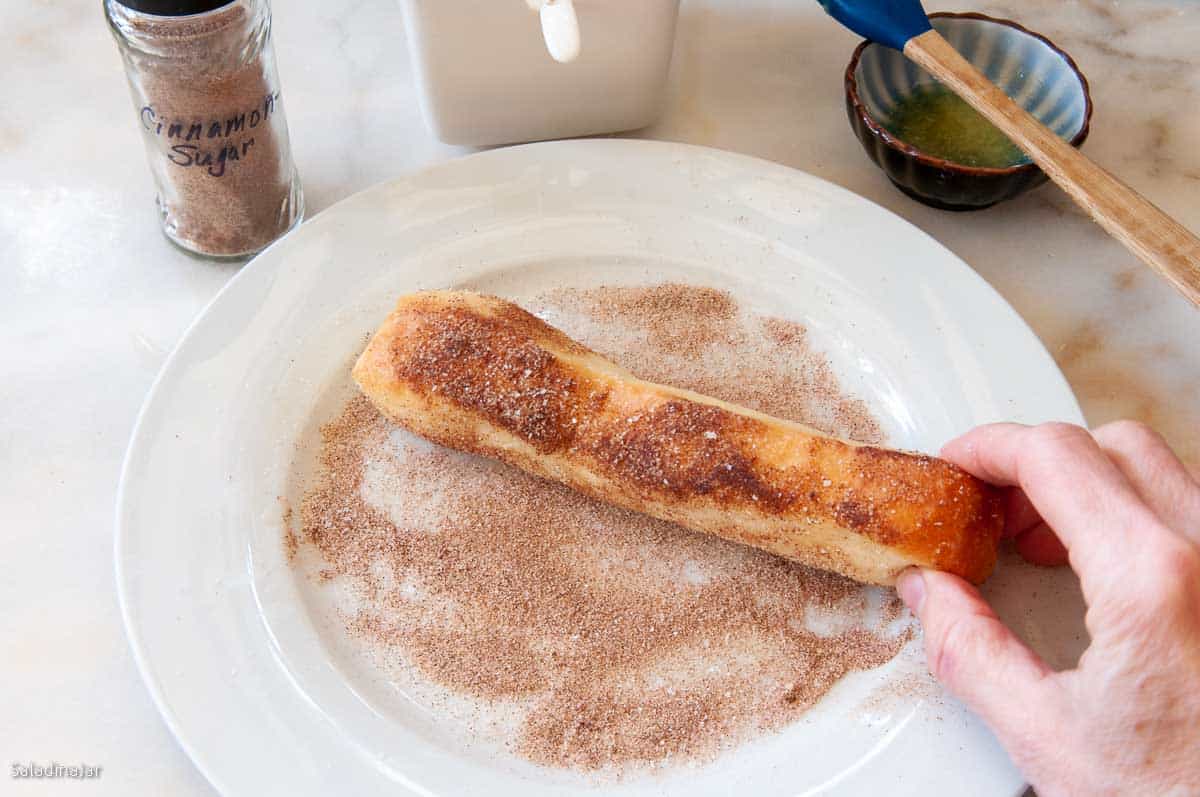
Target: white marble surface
{"x": 92, "y": 297}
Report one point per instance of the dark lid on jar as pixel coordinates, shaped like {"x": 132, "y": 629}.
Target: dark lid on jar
{"x": 174, "y": 8}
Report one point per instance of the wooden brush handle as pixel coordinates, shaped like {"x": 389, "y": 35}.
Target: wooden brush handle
{"x": 1163, "y": 243}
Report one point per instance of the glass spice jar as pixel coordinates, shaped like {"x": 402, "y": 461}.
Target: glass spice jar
{"x": 202, "y": 74}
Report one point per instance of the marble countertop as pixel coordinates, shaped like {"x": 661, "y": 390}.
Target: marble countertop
{"x": 92, "y": 297}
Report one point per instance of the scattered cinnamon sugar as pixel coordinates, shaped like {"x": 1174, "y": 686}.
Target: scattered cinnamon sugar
{"x": 625, "y": 640}
{"x": 700, "y": 339}
{"x": 291, "y": 542}
{"x": 906, "y": 686}
{"x": 666, "y": 312}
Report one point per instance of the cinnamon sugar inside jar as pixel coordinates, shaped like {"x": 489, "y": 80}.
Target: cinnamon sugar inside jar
{"x": 208, "y": 104}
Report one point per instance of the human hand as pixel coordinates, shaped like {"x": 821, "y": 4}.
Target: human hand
{"x": 1126, "y": 720}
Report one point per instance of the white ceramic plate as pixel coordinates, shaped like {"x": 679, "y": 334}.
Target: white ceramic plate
{"x": 254, "y": 679}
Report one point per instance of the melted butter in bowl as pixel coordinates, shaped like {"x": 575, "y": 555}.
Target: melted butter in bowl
{"x": 936, "y": 148}
{"x": 938, "y": 122}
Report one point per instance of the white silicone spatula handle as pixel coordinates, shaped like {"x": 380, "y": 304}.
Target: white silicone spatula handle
{"x": 560, "y": 29}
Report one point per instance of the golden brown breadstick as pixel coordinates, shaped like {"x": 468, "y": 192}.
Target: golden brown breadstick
{"x": 480, "y": 374}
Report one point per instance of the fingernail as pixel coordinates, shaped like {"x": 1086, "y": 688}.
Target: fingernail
{"x": 911, "y": 586}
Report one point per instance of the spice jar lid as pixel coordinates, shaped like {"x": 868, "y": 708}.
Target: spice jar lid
{"x": 174, "y": 8}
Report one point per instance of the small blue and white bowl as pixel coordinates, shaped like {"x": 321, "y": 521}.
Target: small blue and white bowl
{"x": 1028, "y": 66}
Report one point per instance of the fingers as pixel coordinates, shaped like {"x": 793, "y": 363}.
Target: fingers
{"x": 1041, "y": 546}
{"x": 1019, "y": 514}
{"x": 1079, "y": 492}
{"x": 1155, "y": 472}
{"x": 980, "y": 660}
{"x": 1036, "y": 542}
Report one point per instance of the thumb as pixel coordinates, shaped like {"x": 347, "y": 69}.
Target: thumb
{"x": 980, "y": 660}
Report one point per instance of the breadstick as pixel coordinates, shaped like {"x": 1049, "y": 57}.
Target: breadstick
{"x": 480, "y": 374}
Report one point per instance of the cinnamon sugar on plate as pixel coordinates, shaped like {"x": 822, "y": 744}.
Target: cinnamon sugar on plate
{"x": 624, "y": 640}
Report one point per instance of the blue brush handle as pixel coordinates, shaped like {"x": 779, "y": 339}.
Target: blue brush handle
{"x": 889, "y": 22}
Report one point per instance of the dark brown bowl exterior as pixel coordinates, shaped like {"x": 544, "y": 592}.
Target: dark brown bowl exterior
{"x": 935, "y": 181}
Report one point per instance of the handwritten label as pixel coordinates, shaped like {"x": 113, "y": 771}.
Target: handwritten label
{"x": 210, "y": 144}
